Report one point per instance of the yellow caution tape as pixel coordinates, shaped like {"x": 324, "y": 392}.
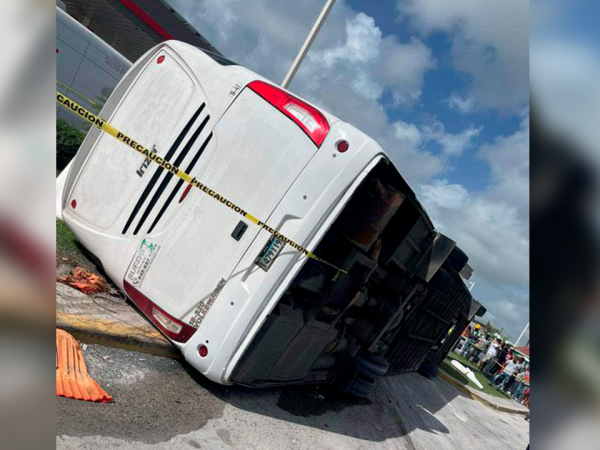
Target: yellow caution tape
{"x": 89, "y": 100}
{"x": 107, "y": 128}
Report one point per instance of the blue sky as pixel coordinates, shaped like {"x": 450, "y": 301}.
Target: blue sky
{"x": 441, "y": 83}
{"x": 442, "y": 86}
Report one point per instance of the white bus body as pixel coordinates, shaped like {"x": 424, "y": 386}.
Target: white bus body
{"x": 240, "y": 309}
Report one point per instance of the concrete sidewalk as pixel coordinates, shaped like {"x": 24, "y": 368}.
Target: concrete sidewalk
{"x": 497, "y": 403}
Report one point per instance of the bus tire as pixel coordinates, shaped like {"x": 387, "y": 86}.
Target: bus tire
{"x": 362, "y": 387}
{"x": 372, "y": 365}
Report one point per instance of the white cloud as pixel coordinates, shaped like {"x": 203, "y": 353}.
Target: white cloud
{"x": 406, "y": 143}
{"x": 508, "y": 158}
{"x": 370, "y": 63}
{"x": 401, "y": 68}
{"x": 362, "y": 44}
{"x": 490, "y": 43}
{"x": 407, "y": 134}
{"x": 452, "y": 144}
{"x": 463, "y": 105}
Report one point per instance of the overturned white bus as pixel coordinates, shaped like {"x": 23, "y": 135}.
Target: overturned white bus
{"x": 242, "y": 306}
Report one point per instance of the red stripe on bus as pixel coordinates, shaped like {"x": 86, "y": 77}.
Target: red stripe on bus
{"x": 145, "y": 17}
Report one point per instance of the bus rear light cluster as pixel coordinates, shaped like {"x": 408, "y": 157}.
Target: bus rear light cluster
{"x": 308, "y": 118}
{"x": 169, "y": 325}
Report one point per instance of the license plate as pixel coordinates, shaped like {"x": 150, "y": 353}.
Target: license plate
{"x": 269, "y": 253}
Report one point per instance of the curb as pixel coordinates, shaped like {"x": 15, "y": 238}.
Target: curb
{"x": 114, "y": 333}
{"x": 464, "y": 389}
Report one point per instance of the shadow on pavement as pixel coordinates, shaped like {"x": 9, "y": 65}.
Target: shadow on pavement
{"x": 399, "y": 404}
{"x": 158, "y": 398}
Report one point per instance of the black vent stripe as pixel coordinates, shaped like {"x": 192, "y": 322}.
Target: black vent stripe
{"x": 169, "y": 175}
{"x": 159, "y": 170}
{"x": 173, "y": 193}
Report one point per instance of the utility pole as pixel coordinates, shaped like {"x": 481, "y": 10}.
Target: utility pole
{"x": 307, "y": 43}
{"x": 522, "y": 333}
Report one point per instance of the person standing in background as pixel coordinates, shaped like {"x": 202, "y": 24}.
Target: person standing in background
{"x": 471, "y": 339}
{"x": 496, "y": 364}
{"x": 480, "y": 347}
{"x": 521, "y": 384}
{"x": 503, "y": 380}
{"x": 490, "y": 354}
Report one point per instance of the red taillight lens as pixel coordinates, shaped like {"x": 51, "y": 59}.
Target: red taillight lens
{"x": 203, "y": 351}
{"x": 169, "y": 325}
{"x": 310, "y": 119}
{"x": 342, "y": 146}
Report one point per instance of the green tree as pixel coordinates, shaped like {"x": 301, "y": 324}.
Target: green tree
{"x": 68, "y": 140}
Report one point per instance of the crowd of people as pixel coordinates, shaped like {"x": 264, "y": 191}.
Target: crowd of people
{"x": 498, "y": 361}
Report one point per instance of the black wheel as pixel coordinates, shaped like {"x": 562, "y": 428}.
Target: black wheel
{"x": 346, "y": 375}
{"x": 362, "y": 387}
{"x": 372, "y": 365}
{"x": 357, "y": 375}
{"x": 428, "y": 370}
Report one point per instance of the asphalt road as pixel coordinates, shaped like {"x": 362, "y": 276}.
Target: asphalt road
{"x": 160, "y": 403}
